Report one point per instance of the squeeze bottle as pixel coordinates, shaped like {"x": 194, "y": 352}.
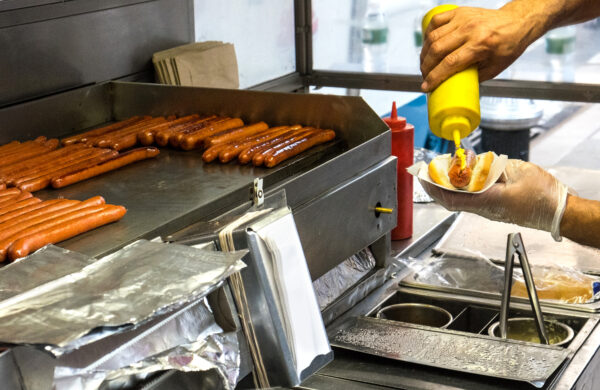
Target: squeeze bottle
{"x": 403, "y": 135}
{"x": 453, "y": 106}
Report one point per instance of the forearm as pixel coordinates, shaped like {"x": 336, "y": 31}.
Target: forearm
{"x": 581, "y": 221}
{"x": 542, "y": 16}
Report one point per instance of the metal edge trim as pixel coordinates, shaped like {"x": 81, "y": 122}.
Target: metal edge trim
{"x": 575, "y": 92}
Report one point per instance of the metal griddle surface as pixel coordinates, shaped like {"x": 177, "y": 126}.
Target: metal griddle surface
{"x": 170, "y": 192}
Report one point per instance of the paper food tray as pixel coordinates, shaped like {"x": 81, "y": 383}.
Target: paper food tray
{"x": 420, "y": 170}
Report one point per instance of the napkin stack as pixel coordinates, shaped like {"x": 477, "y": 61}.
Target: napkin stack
{"x": 210, "y": 64}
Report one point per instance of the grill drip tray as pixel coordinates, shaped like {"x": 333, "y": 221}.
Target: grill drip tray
{"x": 464, "y": 345}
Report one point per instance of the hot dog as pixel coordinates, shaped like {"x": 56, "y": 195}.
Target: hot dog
{"x": 230, "y": 150}
{"x": 12, "y": 228}
{"x": 125, "y": 142}
{"x": 60, "y": 232}
{"x": 163, "y": 136}
{"x": 233, "y": 150}
{"x": 298, "y": 147}
{"x": 146, "y": 136}
{"x": 12, "y": 149}
{"x": 115, "y": 163}
{"x": 47, "y": 223}
{"x": 27, "y": 168}
{"x": 13, "y": 216}
{"x": 461, "y": 176}
{"x": 212, "y": 153}
{"x": 34, "y": 162}
{"x": 19, "y": 204}
{"x": 83, "y": 137}
{"x": 234, "y": 134}
{"x": 108, "y": 139}
{"x": 259, "y": 157}
{"x": 7, "y": 200}
{"x": 176, "y": 136}
{"x": 50, "y": 207}
{"x": 9, "y": 146}
{"x": 27, "y": 149}
{"x": 479, "y": 168}
{"x": 9, "y": 192}
{"x": 31, "y": 151}
{"x": 42, "y": 179}
{"x": 194, "y": 140}
{"x": 247, "y": 154}
{"x": 93, "y": 140}
{"x": 159, "y": 131}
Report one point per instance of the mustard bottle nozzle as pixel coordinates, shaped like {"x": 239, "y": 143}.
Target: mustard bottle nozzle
{"x": 454, "y": 123}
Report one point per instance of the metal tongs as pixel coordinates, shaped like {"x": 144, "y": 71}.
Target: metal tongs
{"x": 515, "y": 245}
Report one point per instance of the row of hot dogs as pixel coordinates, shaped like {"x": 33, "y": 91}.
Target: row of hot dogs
{"x": 222, "y": 138}
{"x": 34, "y": 165}
{"x": 27, "y": 223}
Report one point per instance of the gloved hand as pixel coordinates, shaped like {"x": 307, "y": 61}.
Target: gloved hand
{"x": 525, "y": 195}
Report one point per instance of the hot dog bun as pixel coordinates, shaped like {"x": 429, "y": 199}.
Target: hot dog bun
{"x": 481, "y": 171}
{"x": 438, "y": 171}
{"x": 440, "y": 165}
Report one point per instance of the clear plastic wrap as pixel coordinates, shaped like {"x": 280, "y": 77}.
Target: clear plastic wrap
{"x": 555, "y": 283}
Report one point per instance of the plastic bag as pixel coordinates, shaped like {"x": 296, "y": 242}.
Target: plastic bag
{"x": 478, "y": 273}
{"x": 562, "y": 284}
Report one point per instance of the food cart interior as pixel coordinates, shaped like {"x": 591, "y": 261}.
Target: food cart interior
{"x": 73, "y": 66}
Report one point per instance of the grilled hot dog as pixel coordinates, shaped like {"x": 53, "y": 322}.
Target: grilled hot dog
{"x": 107, "y": 166}
{"x": 462, "y": 177}
{"x": 298, "y": 147}
{"x": 56, "y": 232}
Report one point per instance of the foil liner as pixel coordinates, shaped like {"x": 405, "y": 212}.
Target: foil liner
{"x": 47, "y": 264}
{"x": 190, "y": 340}
{"x": 338, "y": 280}
{"x": 128, "y": 287}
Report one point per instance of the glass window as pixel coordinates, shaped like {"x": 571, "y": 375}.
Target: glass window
{"x": 384, "y": 36}
{"x": 262, "y": 32}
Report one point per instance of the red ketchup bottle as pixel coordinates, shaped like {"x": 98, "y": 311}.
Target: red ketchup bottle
{"x": 403, "y": 135}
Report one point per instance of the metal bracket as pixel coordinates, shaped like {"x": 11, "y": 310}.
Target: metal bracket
{"x": 258, "y": 195}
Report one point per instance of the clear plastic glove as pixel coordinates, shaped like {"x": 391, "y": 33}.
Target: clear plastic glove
{"x": 525, "y": 195}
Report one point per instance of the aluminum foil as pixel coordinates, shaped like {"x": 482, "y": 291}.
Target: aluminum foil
{"x": 419, "y": 194}
{"x": 189, "y": 340}
{"x": 339, "y": 279}
{"x": 43, "y": 266}
{"x": 132, "y": 285}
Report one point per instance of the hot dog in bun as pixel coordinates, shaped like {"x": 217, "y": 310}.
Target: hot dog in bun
{"x": 453, "y": 173}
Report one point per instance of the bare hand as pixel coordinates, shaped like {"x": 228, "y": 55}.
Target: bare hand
{"x": 459, "y": 38}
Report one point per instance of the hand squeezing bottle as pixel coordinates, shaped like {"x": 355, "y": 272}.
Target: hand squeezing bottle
{"x": 453, "y": 106}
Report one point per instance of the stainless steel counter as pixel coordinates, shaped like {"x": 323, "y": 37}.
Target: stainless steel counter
{"x": 176, "y": 189}
{"x": 162, "y": 195}
{"x": 353, "y": 370}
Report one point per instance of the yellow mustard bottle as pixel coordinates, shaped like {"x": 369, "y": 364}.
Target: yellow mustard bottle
{"x": 453, "y": 106}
